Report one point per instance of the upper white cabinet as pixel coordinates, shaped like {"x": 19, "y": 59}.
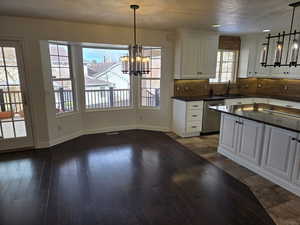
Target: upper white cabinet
{"x": 196, "y": 54}
{"x": 248, "y": 56}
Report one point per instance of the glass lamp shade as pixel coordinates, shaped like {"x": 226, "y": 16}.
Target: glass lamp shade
{"x": 278, "y": 53}
{"x": 294, "y": 53}
{"x": 263, "y": 54}
{"x": 135, "y": 63}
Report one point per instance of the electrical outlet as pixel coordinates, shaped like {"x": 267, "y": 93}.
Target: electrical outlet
{"x": 59, "y": 128}
{"x": 285, "y": 87}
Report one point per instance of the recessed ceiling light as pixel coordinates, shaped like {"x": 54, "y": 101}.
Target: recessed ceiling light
{"x": 216, "y": 25}
{"x": 266, "y": 30}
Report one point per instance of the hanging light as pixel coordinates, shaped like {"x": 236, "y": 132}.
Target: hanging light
{"x": 263, "y": 54}
{"x": 294, "y": 51}
{"x": 278, "y": 53}
{"x": 135, "y": 63}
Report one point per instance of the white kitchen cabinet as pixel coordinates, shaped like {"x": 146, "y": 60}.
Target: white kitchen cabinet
{"x": 279, "y": 152}
{"x": 196, "y": 55}
{"x": 229, "y": 133}
{"x": 251, "y": 138}
{"x": 296, "y": 171}
{"x": 250, "y": 66}
{"x": 187, "y": 118}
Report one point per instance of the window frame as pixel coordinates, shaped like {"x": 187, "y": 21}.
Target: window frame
{"x": 141, "y": 78}
{"x": 107, "y": 47}
{"x": 72, "y": 79}
{"x": 234, "y": 72}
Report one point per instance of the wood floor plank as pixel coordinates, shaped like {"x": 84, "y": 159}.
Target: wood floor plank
{"x": 134, "y": 178}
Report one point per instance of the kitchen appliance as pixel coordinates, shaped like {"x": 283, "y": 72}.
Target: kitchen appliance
{"x": 211, "y": 119}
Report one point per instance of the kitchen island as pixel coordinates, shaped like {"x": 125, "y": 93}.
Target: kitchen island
{"x": 264, "y": 138}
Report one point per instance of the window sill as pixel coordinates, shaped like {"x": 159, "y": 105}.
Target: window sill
{"x": 110, "y": 109}
{"x": 149, "y": 108}
{"x": 65, "y": 114}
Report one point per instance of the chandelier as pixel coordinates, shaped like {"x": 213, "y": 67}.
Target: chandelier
{"x": 291, "y": 58}
{"x": 135, "y": 63}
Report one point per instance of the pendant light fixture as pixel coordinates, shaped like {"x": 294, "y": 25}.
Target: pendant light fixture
{"x": 135, "y": 63}
{"x": 291, "y": 58}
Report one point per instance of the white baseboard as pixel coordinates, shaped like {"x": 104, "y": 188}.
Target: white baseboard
{"x": 47, "y": 144}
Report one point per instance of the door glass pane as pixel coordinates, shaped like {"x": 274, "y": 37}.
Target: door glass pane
{"x": 8, "y": 130}
{"x": 20, "y": 128}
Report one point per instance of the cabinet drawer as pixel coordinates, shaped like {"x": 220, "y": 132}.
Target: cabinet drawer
{"x": 193, "y": 127}
{"x": 194, "y": 115}
{"x": 195, "y": 105}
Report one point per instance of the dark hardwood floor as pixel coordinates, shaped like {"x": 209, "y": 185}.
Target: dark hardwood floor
{"x": 135, "y": 178}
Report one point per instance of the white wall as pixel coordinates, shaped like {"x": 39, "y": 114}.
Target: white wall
{"x": 49, "y": 129}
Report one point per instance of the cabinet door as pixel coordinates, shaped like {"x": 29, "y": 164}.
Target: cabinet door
{"x": 296, "y": 171}
{"x": 250, "y": 147}
{"x": 279, "y": 152}
{"x": 189, "y": 60}
{"x": 229, "y": 132}
{"x": 207, "y": 57}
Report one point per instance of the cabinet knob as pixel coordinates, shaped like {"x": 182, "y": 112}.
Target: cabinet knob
{"x": 194, "y": 126}
{"x": 199, "y": 73}
{"x": 194, "y": 115}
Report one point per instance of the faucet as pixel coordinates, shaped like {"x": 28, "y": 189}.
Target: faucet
{"x": 228, "y": 88}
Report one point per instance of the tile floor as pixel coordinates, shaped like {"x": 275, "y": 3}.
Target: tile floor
{"x": 283, "y": 206}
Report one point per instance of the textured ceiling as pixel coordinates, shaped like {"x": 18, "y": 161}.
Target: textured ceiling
{"x": 236, "y": 16}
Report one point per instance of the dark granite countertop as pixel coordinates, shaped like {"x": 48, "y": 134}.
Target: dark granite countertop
{"x": 206, "y": 98}
{"x": 281, "y": 117}
{"x": 223, "y": 97}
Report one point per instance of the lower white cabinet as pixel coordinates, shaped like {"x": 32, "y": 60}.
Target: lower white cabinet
{"x": 187, "y": 118}
{"x": 229, "y": 140}
{"x": 296, "y": 171}
{"x": 251, "y": 138}
{"x": 279, "y": 152}
{"x": 272, "y": 152}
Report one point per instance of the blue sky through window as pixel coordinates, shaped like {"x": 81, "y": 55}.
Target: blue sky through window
{"x": 101, "y": 55}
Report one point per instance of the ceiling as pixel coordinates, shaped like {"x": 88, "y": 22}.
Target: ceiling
{"x": 235, "y": 16}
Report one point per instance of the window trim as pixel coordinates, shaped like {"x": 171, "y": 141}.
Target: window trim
{"x": 236, "y": 65}
{"x": 106, "y": 47}
{"x": 141, "y": 78}
{"x": 72, "y": 79}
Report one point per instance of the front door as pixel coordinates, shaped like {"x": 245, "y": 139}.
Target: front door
{"x": 15, "y": 130}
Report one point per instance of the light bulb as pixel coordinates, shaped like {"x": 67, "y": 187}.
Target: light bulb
{"x": 294, "y": 53}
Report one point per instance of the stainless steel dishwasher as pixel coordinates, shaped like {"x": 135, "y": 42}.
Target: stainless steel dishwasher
{"x": 211, "y": 119}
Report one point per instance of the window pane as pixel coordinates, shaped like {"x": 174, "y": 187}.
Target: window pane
{"x": 60, "y": 69}
{"x": 10, "y": 56}
{"x": 150, "y": 83}
{"x": 63, "y": 61}
{"x": 1, "y": 57}
{"x": 13, "y": 75}
{"x": 54, "y": 61}
{"x": 53, "y": 49}
{"x": 225, "y": 66}
{"x": 105, "y": 84}
{"x": 63, "y": 50}
{"x": 64, "y": 72}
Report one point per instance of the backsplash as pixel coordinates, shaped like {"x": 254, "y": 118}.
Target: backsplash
{"x": 244, "y": 86}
